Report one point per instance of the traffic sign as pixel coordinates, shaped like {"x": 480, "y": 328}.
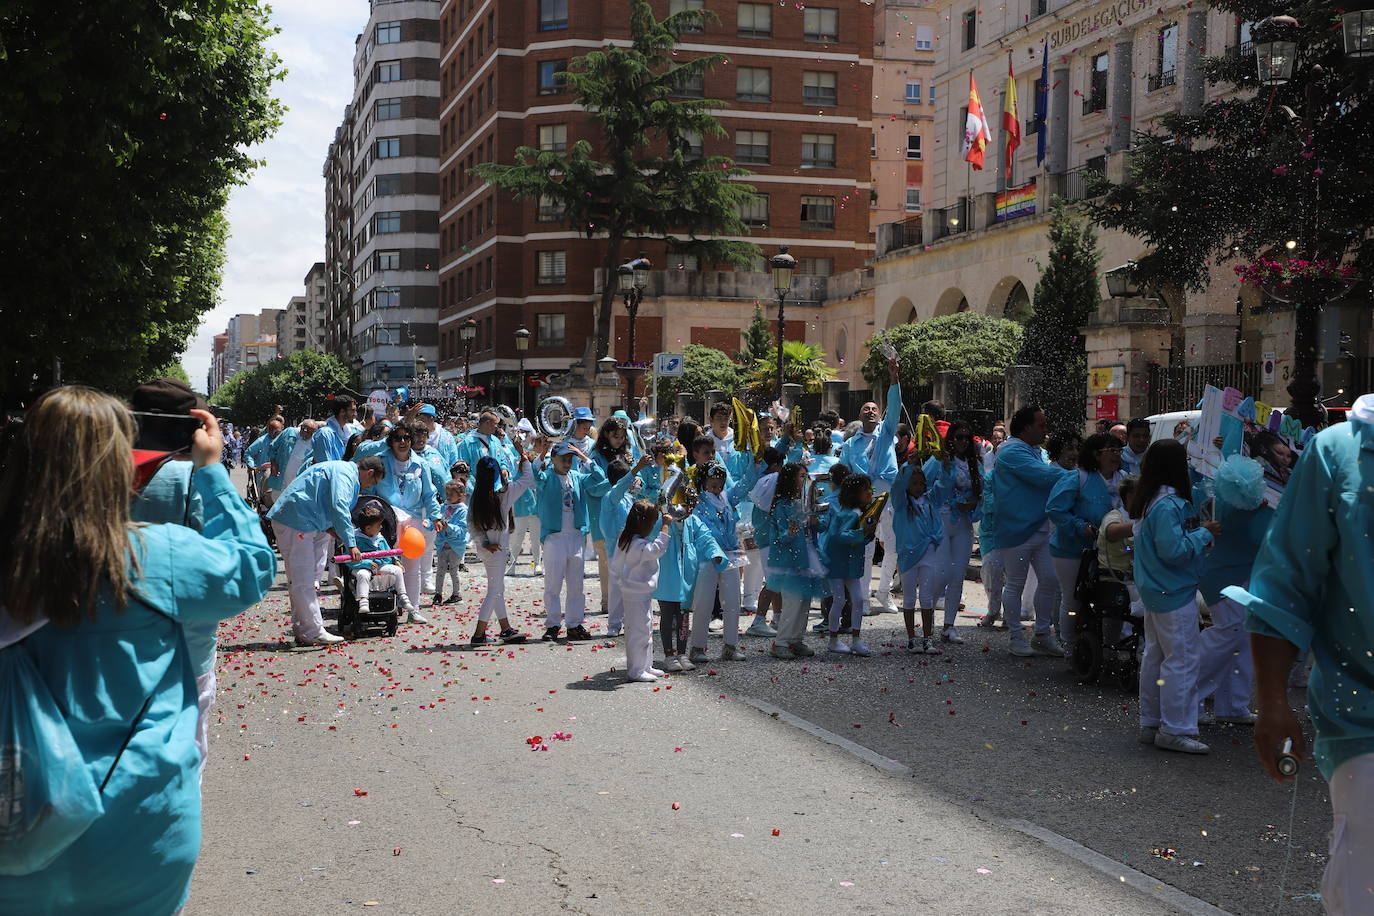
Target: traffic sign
{"x": 669, "y": 364}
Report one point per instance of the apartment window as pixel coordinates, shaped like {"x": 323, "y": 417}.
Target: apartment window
{"x": 551, "y": 80}
{"x": 388, "y": 260}
{"x": 690, "y": 85}
{"x": 913, "y": 200}
{"x": 820, "y": 24}
{"x": 1039, "y": 8}
{"x": 1166, "y": 58}
{"x": 553, "y": 267}
{"x": 388, "y": 109}
{"x": 753, "y": 84}
{"x": 818, "y": 88}
{"x": 682, "y": 6}
{"x": 817, "y": 212}
{"x": 550, "y": 329}
{"x": 1097, "y": 85}
{"x": 1244, "y": 42}
{"x": 388, "y": 147}
{"x": 553, "y": 14}
{"x": 931, "y": 100}
{"x": 913, "y": 147}
{"x": 550, "y": 210}
{"x": 755, "y": 212}
{"x": 970, "y": 29}
{"x": 553, "y": 138}
{"x": 755, "y": 20}
{"x": 815, "y": 267}
{"x": 925, "y": 38}
{"x": 818, "y": 151}
{"x": 752, "y": 146}
{"x": 387, "y": 185}
{"x": 386, "y": 297}
{"x": 389, "y": 71}
{"x": 873, "y": 146}
{"x": 386, "y": 222}
{"x": 913, "y": 93}
{"x": 388, "y": 33}
{"x": 691, "y": 144}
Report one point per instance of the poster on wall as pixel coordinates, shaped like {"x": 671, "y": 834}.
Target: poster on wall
{"x": 1230, "y": 423}
{"x": 1015, "y": 202}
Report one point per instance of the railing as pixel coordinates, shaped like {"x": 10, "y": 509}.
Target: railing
{"x": 1080, "y": 183}
{"x": 1094, "y": 103}
{"x": 952, "y": 220}
{"x": 1157, "y": 81}
{"x": 911, "y": 232}
{"x": 1173, "y": 388}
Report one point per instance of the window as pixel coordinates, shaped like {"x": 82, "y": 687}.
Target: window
{"x": 817, "y": 212}
{"x": 818, "y": 88}
{"x": 388, "y": 148}
{"x": 818, "y": 151}
{"x": 682, "y": 6}
{"x": 1244, "y": 42}
{"x": 553, "y": 14}
{"x": 815, "y": 267}
{"x": 753, "y": 84}
{"x": 752, "y": 146}
{"x": 755, "y": 212}
{"x": 931, "y": 100}
{"x": 970, "y": 29}
{"x": 913, "y": 200}
{"x": 389, "y": 71}
{"x": 388, "y": 33}
{"x": 549, "y": 330}
{"x": 821, "y": 24}
{"x": 387, "y": 185}
{"x": 1097, "y": 85}
{"x": 913, "y": 147}
{"x": 551, "y": 76}
{"x": 755, "y": 20}
{"x": 690, "y": 85}
{"x": 386, "y": 222}
{"x": 388, "y": 260}
{"x": 553, "y": 267}
{"x": 550, "y": 210}
{"x": 913, "y": 93}
{"x": 873, "y": 146}
{"x": 925, "y": 38}
{"x": 553, "y": 138}
{"x": 691, "y": 143}
{"x": 388, "y": 109}
{"x": 1166, "y": 58}
{"x": 386, "y": 297}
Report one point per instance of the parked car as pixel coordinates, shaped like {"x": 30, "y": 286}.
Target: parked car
{"x": 1162, "y": 424}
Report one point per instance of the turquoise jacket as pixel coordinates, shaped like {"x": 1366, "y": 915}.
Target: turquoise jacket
{"x": 720, "y": 521}
{"x": 474, "y": 448}
{"x": 596, "y": 486}
{"x": 368, "y": 545}
{"x": 442, "y": 441}
{"x": 321, "y": 497}
{"x": 842, "y": 543}
{"x": 916, "y": 524}
{"x": 689, "y": 545}
{"x": 282, "y": 447}
{"x": 790, "y": 556}
{"x": 330, "y": 441}
{"x": 1168, "y": 556}
{"x": 550, "y": 497}
{"x": 455, "y": 533}
{"x": 1080, "y": 498}
{"x": 873, "y": 454}
{"x": 1234, "y": 547}
{"x": 137, "y": 858}
{"x": 411, "y": 490}
{"x": 260, "y": 452}
{"x": 988, "y": 541}
{"x": 1313, "y": 582}
{"x": 1023, "y": 482}
{"x": 615, "y": 508}
{"x": 946, "y": 491}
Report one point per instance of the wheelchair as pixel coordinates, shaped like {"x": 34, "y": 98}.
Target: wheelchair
{"x": 379, "y": 616}
{"x": 1101, "y": 653}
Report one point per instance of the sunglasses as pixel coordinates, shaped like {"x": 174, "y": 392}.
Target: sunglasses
{"x": 401, "y": 439}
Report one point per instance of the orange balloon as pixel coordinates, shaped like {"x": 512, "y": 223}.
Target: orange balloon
{"x": 412, "y": 544}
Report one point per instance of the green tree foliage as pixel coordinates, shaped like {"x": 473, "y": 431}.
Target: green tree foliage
{"x": 172, "y": 370}
{"x": 302, "y": 384}
{"x": 978, "y": 346}
{"x": 706, "y": 369}
{"x": 641, "y": 183}
{"x": 125, "y": 126}
{"x": 1254, "y": 169}
{"x": 802, "y": 364}
{"x": 758, "y": 340}
{"x": 1066, "y": 294}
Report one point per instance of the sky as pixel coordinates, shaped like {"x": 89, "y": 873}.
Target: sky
{"x": 277, "y": 218}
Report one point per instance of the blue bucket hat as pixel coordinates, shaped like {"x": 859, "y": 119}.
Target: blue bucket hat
{"x": 584, "y": 413}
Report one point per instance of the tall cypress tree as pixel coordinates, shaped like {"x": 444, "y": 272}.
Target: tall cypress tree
{"x": 758, "y": 340}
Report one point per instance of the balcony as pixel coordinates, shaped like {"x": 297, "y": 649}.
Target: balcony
{"x": 1162, "y": 80}
{"x": 1081, "y": 183}
{"x": 1094, "y": 103}
{"x": 952, "y": 220}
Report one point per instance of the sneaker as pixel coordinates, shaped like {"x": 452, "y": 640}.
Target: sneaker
{"x": 511, "y": 634}
{"x": 916, "y": 646}
{"x": 837, "y": 645}
{"x": 1186, "y": 744}
{"x": 801, "y": 649}
{"x": 1206, "y": 718}
{"x": 697, "y": 656}
{"x": 930, "y": 647}
{"x": 717, "y": 625}
{"x": 645, "y": 678}
{"x": 1047, "y": 645}
{"x": 414, "y": 616}
{"x": 599, "y": 612}
{"x": 780, "y": 651}
{"x": 952, "y": 635}
{"x": 462, "y": 567}
{"x": 551, "y": 633}
{"x": 879, "y": 605}
{"x": 656, "y": 672}
{"x": 325, "y": 638}
{"x": 482, "y": 640}
{"x": 760, "y": 628}
{"x": 685, "y": 664}
{"x": 339, "y": 583}
{"x": 1245, "y": 718}
{"x": 672, "y": 663}
{"x": 578, "y": 634}
{"x": 1146, "y": 735}
{"x": 613, "y": 632}
{"x": 538, "y": 570}
{"x": 731, "y": 654}
{"x": 823, "y": 627}
{"x": 1021, "y": 649}
{"x": 858, "y": 647}
{"x": 988, "y": 621}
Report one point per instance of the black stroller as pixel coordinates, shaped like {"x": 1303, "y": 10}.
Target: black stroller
{"x": 380, "y": 613}
{"x": 1101, "y": 652}
{"x": 255, "y": 500}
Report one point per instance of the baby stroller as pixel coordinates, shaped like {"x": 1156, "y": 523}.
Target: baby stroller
{"x": 255, "y": 500}
{"x": 1101, "y": 652}
{"x": 380, "y": 613}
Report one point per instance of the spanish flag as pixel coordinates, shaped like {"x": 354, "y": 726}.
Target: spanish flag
{"x": 976, "y": 134}
{"x": 1011, "y": 119}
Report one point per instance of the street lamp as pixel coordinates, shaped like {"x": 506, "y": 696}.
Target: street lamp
{"x": 633, "y": 277}
{"x": 468, "y": 332}
{"x": 419, "y": 368}
{"x": 1120, "y": 283}
{"x": 1274, "y": 60}
{"x": 783, "y": 264}
{"x": 385, "y": 373}
{"x": 522, "y": 343}
{"x": 1358, "y": 26}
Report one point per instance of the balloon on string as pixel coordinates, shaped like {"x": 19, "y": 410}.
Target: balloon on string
{"x": 412, "y": 544}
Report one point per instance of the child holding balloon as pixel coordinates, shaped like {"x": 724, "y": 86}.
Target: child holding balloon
{"x": 378, "y": 570}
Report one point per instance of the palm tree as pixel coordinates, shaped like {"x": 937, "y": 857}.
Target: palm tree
{"x": 802, "y": 364}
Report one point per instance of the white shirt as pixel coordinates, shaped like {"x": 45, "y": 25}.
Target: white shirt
{"x": 568, "y": 523}
{"x": 293, "y": 464}
{"x": 724, "y": 447}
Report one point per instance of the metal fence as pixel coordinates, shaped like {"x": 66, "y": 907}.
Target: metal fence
{"x": 1174, "y": 388}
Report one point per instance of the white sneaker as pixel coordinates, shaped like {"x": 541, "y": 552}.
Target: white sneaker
{"x": 414, "y": 616}
{"x": 324, "y": 639}
{"x": 697, "y": 656}
{"x": 760, "y": 627}
{"x": 1048, "y": 644}
{"x": 1183, "y": 743}
{"x": 645, "y": 678}
{"x": 858, "y": 647}
{"x": 881, "y": 604}
{"x": 952, "y": 635}
{"x": 538, "y": 570}
{"x": 1021, "y": 649}
{"x": 685, "y": 664}
{"x": 717, "y": 625}
{"x": 836, "y": 645}
{"x": 672, "y": 663}
{"x": 656, "y": 672}
{"x": 613, "y": 632}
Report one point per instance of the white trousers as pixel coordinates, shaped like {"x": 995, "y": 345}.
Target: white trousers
{"x": 639, "y": 634}
{"x": 751, "y": 579}
{"x": 1168, "y": 671}
{"x": 955, "y": 550}
{"x": 205, "y": 704}
{"x": 494, "y": 601}
{"x": 792, "y": 620}
{"x": 1019, "y": 561}
{"x": 854, "y": 590}
{"x": 304, "y": 554}
{"x": 419, "y": 571}
{"x": 888, "y": 569}
{"x": 388, "y": 576}
{"x": 919, "y": 583}
{"x": 1066, "y": 571}
{"x": 1345, "y": 883}
{"x": 1226, "y": 669}
{"x": 709, "y": 581}
{"x": 563, "y": 558}
{"x": 526, "y": 526}
{"x": 994, "y": 577}
{"x": 603, "y": 570}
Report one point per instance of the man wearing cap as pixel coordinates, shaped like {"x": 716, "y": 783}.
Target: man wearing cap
{"x": 316, "y": 505}
{"x": 332, "y": 439}
{"x": 563, "y": 527}
{"x": 440, "y": 439}
{"x": 581, "y": 435}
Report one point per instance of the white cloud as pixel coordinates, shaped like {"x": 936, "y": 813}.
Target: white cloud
{"x": 277, "y": 219}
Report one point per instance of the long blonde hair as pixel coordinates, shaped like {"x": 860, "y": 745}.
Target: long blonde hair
{"x": 66, "y": 488}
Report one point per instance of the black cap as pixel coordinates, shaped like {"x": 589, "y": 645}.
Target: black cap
{"x": 167, "y": 395}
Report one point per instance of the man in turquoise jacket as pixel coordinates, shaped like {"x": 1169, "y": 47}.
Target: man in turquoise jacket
{"x": 258, "y": 457}
{"x": 563, "y": 527}
{"x": 870, "y": 451}
{"x": 330, "y": 441}
{"x": 1022, "y": 481}
{"x": 1312, "y": 588}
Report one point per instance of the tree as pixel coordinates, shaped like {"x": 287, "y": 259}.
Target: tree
{"x": 172, "y": 370}
{"x": 302, "y": 383}
{"x": 802, "y": 364}
{"x": 706, "y": 369}
{"x": 646, "y": 183}
{"x": 977, "y": 346}
{"x": 112, "y": 223}
{"x": 1066, "y": 294}
{"x": 758, "y": 340}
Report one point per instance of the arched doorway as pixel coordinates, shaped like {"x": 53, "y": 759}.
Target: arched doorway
{"x": 1009, "y": 299}
{"x": 901, "y": 312}
{"x": 951, "y": 301}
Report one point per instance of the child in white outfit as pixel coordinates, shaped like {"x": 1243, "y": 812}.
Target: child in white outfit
{"x": 635, "y": 567}
{"x": 378, "y": 571}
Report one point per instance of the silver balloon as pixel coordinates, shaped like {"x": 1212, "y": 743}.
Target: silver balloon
{"x": 554, "y": 417}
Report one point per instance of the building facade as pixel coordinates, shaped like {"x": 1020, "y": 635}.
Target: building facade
{"x": 301, "y": 326}
{"x": 798, "y": 83}
{"x": 903, "y": 112}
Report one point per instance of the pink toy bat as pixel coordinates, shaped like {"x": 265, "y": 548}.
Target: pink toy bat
{"x": 374, "y": 555}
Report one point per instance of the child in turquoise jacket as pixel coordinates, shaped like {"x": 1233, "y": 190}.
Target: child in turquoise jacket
{"x": 918, "y": 531}
{"x": 842, "y": 546}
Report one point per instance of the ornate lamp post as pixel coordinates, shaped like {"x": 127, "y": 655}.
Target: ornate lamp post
{"x": 468, "y": 332}
{"x": 782, "y": 264}
{"x": 522, "y": 344}
{"x": 633, "y": 277}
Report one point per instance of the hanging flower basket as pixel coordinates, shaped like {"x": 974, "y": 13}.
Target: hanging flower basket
{"x": 469, "y": 391}
{"x": 1297, "y": 280}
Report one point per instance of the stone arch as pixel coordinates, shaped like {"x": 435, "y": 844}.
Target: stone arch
{"x": 1010, "y": 299}
{"x": 951, "y": 301}
{"x": 901, "y": 312}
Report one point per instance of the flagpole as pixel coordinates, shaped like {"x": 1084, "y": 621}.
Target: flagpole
{"x": 968, "y": 180}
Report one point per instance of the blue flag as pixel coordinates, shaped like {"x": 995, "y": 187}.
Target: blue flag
{"x": 1042, "y": 105}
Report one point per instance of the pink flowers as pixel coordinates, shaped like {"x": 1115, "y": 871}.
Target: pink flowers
{"x": 1264, "y": 271}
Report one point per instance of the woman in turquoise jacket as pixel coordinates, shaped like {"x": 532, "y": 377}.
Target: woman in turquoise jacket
{"x": 917, "y": 531}
{"x": 1169, "y": 551}
{"x": 112, "y": 651}
{"x": 1076, "y": 506}
{"x": 955, "y": 480}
